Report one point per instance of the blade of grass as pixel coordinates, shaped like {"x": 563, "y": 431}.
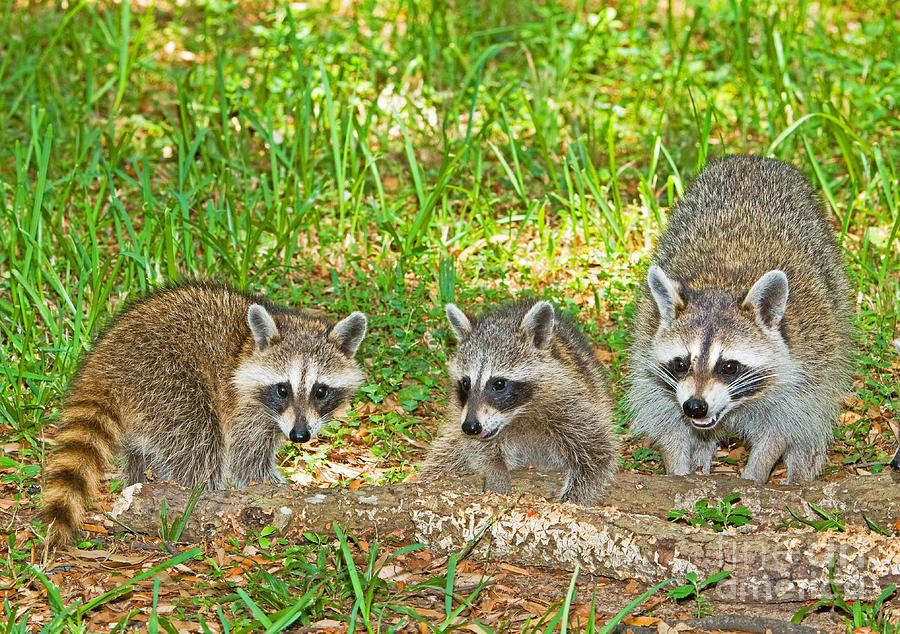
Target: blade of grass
{"x": 360, "y": 603}
{"x": 119, "y": 590}
{"x": 609, "y": 627}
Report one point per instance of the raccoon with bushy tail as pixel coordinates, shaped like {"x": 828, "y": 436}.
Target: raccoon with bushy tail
{"x": 527, "y": 391}
{"x": 197, "y": 383}
{"x": 743, "y": 326}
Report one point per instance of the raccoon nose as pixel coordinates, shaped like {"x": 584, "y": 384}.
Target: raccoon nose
{"x": 471, "y": 426}
{"x": 300, "y": 435}
{"x": 694, "y": 408}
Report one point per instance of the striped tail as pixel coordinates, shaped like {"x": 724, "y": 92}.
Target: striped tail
{"x": 87, "y": 441}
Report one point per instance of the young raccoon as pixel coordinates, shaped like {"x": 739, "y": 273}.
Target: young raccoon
{"x": 528, "y": 392}
{"x": 744, "y": 324}
{"x": 197, "y": 383}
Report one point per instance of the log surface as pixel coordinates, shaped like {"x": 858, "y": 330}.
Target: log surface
{"x": 628, "y": 537}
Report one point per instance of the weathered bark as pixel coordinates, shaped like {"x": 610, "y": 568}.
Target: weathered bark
{"x": 628, "y": 537}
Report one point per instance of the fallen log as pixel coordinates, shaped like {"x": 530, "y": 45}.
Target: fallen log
{"x": 629, "y": 537}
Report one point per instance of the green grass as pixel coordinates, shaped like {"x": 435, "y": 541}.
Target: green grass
{"x": 873, "y": 616}
{"x": 393, "y": 155}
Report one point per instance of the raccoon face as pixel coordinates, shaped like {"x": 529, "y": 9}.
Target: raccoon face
{"x": 493, "y": 403}
{"x": 493, "y": 384}
{"x": 301, "y": 370}
{"x": 713, "y": 352}
{"x": 709, "y": 379}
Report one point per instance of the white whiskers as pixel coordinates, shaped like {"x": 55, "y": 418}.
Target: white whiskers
{"x": 749, "y": 379}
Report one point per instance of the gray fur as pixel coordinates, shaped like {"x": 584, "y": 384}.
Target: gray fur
{"x": 754, "y": 260}
{"x": 564, "y": 424}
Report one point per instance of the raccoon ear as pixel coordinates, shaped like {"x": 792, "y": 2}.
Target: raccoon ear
{"x": 768, "y": 298}
{"x": 348, "y": 333}
{"x": 261, "y": 325}
{"x": 665, "y": 292}
{"x": 460, "y": 324}
{"x": 538, "y": 323}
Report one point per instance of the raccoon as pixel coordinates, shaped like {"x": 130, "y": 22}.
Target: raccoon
{"x": 196, "y": 383}
{"x": 528, "y": 391}
{"x": 743, "y": 326}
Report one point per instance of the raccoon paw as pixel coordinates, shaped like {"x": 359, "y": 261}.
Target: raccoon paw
{"x": 581, "y": 498}
{"x": 497, "y": 485}
{"x": 804, "y": 462}
{"x": 759, "y": 475}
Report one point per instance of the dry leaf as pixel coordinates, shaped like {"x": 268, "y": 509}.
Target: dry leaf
{"x": 641, "y": 621}
{"x": 632, "y": 587}
{"x": 513, "y": 569}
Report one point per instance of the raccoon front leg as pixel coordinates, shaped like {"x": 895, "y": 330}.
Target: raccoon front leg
{"x": 582, "y": 486}
{"x": 764, "y": 453}
{"x": 252, "y": 448}
{"x": 704, "y": 448}
{"x": 496, "y": 477}
{"x": 677, "y": 448}
{"x": 255, "y": 466}
{"x": 194, "y": 455}
{"x": 807, "y": 447}
{"x": 804, "y": 462}
{"x": 591, "y": 467}
{"x": 136, "y": 464}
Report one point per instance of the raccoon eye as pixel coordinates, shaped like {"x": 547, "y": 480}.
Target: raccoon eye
{"x": 680, "y": 365}
{"x": 321, "y": 392}
{"x": 729, "y": 367}
{"x": 499, "y": 385}
{"x": 465, "y": 384}
{"x": 283, "y": 390}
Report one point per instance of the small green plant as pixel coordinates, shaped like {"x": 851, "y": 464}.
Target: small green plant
{"x": 645, "y": 459}
{"x": 279, "y": 620}
{"x": 172, "y": 533}
{"x": 71, "y": 618}
{"x": 268, "y": 537}
{"x": 366, "y": 584}
{"x": 557, "y": 615}
{"x": 829, "y": 521}
{"x": 875, "y": 527}
{"x": 872, "y": 615}
{"x": 725, "y": 513}
{"x": 693, "y": 588}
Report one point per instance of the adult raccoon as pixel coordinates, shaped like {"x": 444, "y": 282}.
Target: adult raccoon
{"x": 744, "y": 324}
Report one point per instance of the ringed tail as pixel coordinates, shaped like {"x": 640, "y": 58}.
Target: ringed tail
{"x": 87, "y": 441}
